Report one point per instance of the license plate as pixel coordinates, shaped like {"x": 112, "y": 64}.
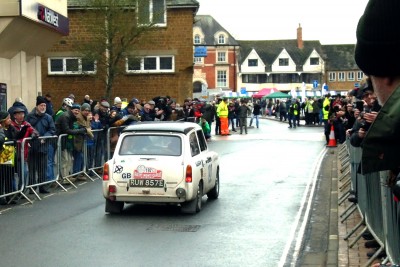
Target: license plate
{"x": 146, "y": 183}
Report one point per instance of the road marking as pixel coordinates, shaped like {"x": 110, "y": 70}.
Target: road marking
{"x": 272, "y": 136}
{"x": 309, "y": 191}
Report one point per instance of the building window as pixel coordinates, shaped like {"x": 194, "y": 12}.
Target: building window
{"x": 350, "y": 76}
{"x": 71, "y": 66}
{"x": 197, "y": 87}
{"x": 332, "y": 76}
{"x": 252, "y": 62}
{"x": 283, "y": 62}
{"x": 198, "y": 60}
{"x": 314, "y": 61}
{"x": 151, "y": 12}
{"x": 341, "y": 76}
{"x": 360, "y": 75}
{"x": 221, "y": 57}
{"x": 221, "y": 39}
{"x": 254, "y": 78}
{"x": 221, "y": 78}
{"x": 197, "y": 39}
{"x": 150, "y": 64}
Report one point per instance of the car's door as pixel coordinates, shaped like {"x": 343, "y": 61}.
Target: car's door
{"x": 207, "y": 161}
{"x": 197, "y": 158}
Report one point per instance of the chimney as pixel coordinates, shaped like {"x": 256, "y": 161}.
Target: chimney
{"x": 300, "y": 37}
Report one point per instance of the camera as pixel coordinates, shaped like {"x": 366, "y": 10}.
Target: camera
{"x": 364, "y": 124}
{"x": 359, "y": 105}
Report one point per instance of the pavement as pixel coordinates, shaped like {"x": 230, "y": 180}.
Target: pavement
{"x": 325, "y": 244}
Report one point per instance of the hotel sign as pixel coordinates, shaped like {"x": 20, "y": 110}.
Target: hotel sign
{"x": 50, "y": 17}
{"x": 47, "y": 15}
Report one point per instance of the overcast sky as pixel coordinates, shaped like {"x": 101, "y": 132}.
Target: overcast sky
{"x": 329, "y": 21}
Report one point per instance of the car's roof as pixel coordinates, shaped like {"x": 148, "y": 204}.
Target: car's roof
{"x": 162, "y": 126}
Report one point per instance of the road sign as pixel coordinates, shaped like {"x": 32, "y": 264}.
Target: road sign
{"x": 357, "y": 85}
{"x": 315, "y": 84}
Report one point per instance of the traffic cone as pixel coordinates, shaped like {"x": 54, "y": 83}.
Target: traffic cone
{"x": 332, "y": 139}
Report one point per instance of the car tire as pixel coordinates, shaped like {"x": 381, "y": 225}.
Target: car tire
{"x": 114, "y": 207}
{"x": 214, "y": 192}
{"x": 194, "y": 205}
{"x": 199, "y": 196}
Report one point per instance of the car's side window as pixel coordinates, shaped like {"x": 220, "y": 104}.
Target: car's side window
{"x": 202, "y": 140}
{"x": 194, "y": 146}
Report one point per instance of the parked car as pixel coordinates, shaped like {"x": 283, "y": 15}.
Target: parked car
{"x": 161, "y": 162}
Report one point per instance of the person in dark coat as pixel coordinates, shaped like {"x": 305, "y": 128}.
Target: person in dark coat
{"x": 17, "y": 104}
{"x": 41, "y": 154}
{"x": 49, "y": 105}
{"x": 209, "y": 114}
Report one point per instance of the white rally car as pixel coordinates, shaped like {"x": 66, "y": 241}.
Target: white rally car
{"x": 161, "y": 162}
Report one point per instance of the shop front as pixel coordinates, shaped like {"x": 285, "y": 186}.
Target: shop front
{"x": 28, "y": 28}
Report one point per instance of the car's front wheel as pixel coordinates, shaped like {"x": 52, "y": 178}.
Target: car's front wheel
{"x": 114, "y": 207}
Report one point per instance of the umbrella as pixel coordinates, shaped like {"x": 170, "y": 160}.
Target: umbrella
{"x": 264, "y": 92}
{"x": 278, "y": 95}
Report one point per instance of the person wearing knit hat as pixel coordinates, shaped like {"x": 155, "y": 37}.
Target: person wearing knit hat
{"x": 117, "y": 104}
{"x": 3, "y": 115}
{"x": 41, "y": 152}
{"x": 40, "y": 100}
{"x": 377, "y": 54}
{"x": 75, "y": 106}
{"x": 117, "y": 100}
{"x": 85, "y": 107}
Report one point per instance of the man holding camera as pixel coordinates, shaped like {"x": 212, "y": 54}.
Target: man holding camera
{"x": 365, "y": 110}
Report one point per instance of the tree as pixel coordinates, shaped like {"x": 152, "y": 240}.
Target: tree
{"x": 114, "y": 29}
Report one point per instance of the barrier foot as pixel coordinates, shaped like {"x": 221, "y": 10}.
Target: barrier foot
{"x": 348, "y": 214}
{"x": 34, "y": 192}
{"x": 347, "y": 209}
{"x": 88, "y": 176}
{"x": 352, "y": 231}
{"x": 343, "y": 197}
{"x": 345, "y": 164}
{"x": 344, "y": 175}
{"x": 26, "y": 197}
{"x": 343, "y": 153}
{"x": 372, "y": 259}
{"x": 345, "y": 184}
{"x": 69, "y": 181}
{"x": 62, "y": 187}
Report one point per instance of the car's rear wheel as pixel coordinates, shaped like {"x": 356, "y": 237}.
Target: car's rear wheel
{"x": 114, "y": 207}
{"x": 199, "y": 197}
{"x": 214, "y": 193}
{"x": 194, "y": 205}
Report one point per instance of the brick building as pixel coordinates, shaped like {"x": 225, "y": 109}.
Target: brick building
{"x": 166, "y": 66}
{"x": 216, "y": 68}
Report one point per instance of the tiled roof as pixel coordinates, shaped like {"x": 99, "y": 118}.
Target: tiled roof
{"x": 270, "y": 50}
{"x": 210, "y": 26}
{"x": 170, "y": 3}
{"x": 340, "y": 57}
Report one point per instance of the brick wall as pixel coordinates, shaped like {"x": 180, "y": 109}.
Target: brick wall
{"x": 176, "y": 37}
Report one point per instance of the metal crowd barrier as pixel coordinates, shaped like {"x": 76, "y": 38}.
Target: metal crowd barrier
{"x": 12, "y": 182}
{"x": 40, "y": 168}
{"x": 379, "y": 212}
{"x": 39, "y": 163}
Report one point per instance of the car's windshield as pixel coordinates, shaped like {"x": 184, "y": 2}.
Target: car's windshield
{"x": 166, "y": 145}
